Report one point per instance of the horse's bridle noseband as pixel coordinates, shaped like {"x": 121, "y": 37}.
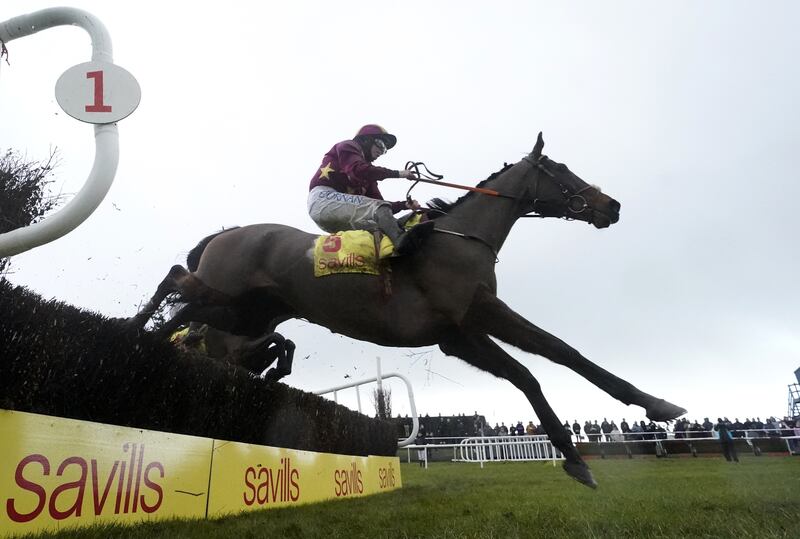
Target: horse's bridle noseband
{"x": 571, "y": 203}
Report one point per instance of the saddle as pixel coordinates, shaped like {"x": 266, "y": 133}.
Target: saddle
{"x": 354, "y": 251}
{"x": 350, "y": 251}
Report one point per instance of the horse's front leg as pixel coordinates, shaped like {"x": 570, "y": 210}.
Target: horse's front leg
{"x": 480, "y": 351}
{"x": 487, "y": 314}
{"x": 190, "y": 288}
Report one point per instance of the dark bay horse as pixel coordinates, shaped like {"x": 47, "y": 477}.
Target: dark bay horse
{"x": 250, "y": 279}
{"x": 254, "y": 354}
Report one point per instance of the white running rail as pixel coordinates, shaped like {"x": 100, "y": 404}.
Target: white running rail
{"x": 106, "y": 136}
{"x": 379, "y": 379}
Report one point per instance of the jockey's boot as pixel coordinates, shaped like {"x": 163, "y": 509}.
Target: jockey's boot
{"x": 388, "y": 225}
{"x": 405, "y": 242}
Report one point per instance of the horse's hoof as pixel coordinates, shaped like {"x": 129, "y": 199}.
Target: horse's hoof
{"x": 661, "y": 410}
{"x": 580, "y": 472}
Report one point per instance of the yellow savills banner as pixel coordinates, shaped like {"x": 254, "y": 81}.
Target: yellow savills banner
{"x": 57, "y": 473}
{"x": 247, "y": 477}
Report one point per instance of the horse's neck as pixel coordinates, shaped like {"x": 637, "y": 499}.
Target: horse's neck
{"x": 488, "y": 217}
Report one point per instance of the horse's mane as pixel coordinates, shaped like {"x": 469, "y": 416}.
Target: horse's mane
{"x": 441, "y": 207}
{"x": 193, "y": 258}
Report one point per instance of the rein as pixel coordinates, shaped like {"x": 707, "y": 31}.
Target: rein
{"x": 431, "y": 177}
{"x": 574, "y": 203}
{"x": 571, "y": 203}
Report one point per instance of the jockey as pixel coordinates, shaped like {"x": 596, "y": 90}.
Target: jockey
{"x": 344, "y": 191}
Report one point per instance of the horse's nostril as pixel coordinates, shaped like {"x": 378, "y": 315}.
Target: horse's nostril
{"x": 615, "y": 206}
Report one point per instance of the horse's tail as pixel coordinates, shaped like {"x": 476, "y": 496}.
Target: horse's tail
{"x": 193, "y": 258}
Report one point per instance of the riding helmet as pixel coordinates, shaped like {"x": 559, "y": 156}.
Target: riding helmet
{"x": 376, "y": 131}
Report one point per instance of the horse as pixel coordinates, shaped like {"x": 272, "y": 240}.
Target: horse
{"x": 250, "y": 279}
{"x": 254, "y": 354}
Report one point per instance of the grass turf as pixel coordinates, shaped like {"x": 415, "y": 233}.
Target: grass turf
{"x": 677, "y": 497}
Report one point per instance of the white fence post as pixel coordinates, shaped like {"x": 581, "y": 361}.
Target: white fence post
{"x": 106, "y": 136}
{"x": 356, "y": 384}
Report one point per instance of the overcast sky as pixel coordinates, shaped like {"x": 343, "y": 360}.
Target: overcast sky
{"x": 685, "y": 112}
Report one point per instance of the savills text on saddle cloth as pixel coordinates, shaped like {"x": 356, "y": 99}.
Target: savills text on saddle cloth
{"x": 351, "y": 251}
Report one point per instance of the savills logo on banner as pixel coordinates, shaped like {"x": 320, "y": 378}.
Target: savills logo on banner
{"x": 386, "y": 477}
{"x": 134, "y": 484}
{"x": 268, "y": 485}
{"x": 348, "y": 481}
{"x": 57, "y": 473}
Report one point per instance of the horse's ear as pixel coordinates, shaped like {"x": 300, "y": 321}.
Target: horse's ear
{"x": 537, "y": 150}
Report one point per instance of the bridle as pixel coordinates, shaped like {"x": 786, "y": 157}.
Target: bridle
{"x": 568, "y": 207}
{"x": 571, "y": 204}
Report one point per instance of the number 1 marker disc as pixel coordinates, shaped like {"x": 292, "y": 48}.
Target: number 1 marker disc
{"x": 98, "y": 92}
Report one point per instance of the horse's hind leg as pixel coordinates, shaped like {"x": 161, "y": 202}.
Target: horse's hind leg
{"x": 482, "y": 352}
{"x": 190, "y": 288}
{"x": 283, "y": 367}
{"x": 258, "y": 354}
{"x": 488, "y": 314}
{"x": 167, "y": 286}
{"x": 266, "y": 349}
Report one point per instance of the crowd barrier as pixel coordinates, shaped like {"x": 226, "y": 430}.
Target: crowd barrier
{"x": 507, "y": 449}
{"x": 483, "y": 449}
{"x": 57, "y": 473}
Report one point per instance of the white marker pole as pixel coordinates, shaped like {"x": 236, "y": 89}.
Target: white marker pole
{"x": 97, "y": 110}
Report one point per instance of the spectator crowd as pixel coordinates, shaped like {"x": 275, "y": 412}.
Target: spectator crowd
{"x": 462, "y": 426}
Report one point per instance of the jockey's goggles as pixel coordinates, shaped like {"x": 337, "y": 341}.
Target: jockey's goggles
{"x": 381, "y": 145}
